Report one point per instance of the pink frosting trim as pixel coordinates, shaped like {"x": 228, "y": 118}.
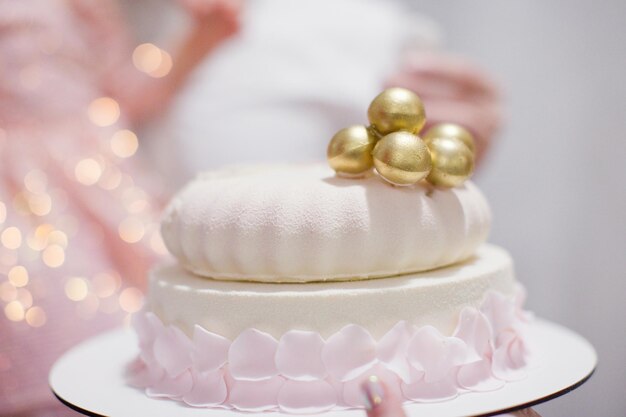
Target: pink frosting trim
{"x": 303, "y": 373}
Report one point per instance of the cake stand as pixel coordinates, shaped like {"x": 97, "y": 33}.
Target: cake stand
{"x": 89, "y": 379}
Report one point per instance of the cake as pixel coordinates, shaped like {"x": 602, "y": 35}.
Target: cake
{"x": 291, "y": 285}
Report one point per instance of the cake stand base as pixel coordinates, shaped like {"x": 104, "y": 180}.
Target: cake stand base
{"x": 89, "y": 379}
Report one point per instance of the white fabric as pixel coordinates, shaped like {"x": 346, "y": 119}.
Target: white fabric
{"x": 298, "y": 72}
{"x": 302, "y": 223}
{"x": 428, "y": 298}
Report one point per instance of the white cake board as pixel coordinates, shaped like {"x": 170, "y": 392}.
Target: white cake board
{"x": 89, "y": 379}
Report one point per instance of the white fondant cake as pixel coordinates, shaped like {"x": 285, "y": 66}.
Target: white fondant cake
{"x": 426, "y": 298}
{"x": 269, "y": 308}
{"x": 305, "y": 224}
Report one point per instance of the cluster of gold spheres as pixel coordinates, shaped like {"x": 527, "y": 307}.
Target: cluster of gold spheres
{"x": 444, "y": 156}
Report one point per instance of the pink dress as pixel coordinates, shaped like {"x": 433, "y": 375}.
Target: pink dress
{"x": 77, "y": 226}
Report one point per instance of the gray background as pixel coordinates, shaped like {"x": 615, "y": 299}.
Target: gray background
{"x": 556, "y": 179}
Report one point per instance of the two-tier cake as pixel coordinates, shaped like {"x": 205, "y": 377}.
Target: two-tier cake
{"x": 292, "y": 285}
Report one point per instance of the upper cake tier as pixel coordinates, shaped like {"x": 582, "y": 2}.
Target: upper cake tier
{"x": 303, "y": 223}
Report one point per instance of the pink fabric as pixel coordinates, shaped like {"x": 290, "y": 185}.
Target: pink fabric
{"x": 487, "y": 349}
{"x": 55, "y": 57}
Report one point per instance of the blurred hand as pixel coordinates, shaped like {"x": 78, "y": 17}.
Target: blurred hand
{"x": 217, "y": 19}
{"x": 381, "y": 402}
{"x": 453, "y": 90}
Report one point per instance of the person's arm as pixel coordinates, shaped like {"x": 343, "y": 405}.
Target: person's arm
{"x": 142, "y": 97}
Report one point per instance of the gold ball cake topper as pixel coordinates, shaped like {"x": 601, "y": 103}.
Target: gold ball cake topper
{"x": 396, "y": 109}
{"x": 402, "y": 158}
{"x": 350, "y": 151}
{"x": 444, "y": 158}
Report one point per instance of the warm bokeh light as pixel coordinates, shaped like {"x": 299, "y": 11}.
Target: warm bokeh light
{"x": 111, "y": 178}
{"x": 76, "y": 288}
{"x": 36, "y": 317}
{"x": 57, "y": 237}
{"x": 36, "y": 181}
{"x": 103, "y": 111}
{"x": 11, "y": 238}
{"x": 165, "y": 67}
{"x": 131, "y": 230}
{"x": 39, "y": 239}
{"x": 18, "y": 276}
{"x": 14, "y": 311}
{"x": 131, "y": 299}
{"x": 88, "y": 171}
{"x": 105, "y": 284}
{"x": 53, "y": 256}
{"x": 124, "y": 143}
{"x": 152, "y": 60}
{"x": 3, "y": 212}
{"x": 40, "y": 204}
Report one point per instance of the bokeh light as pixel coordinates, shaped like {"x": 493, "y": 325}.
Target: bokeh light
{"x": 18, "y": 276}
{"x": 53, "y": 256}
{"x": 131, "y": 300}
{"x": 76, "y": 288}
{"x": 124, "y": 143}
{"x": 36, "y": 181}
{"x": 14, "y": 311}
{"x": 105, "y": 284}
{"x": 103, "y": 111}
{"x": 3, "y": 212}
{"x": 36, "y": 316}
{"x": 40, "y": 204}
{"x": 131, "y": 230}
{"x": 88, "y": 171}
{"x": 11, "y": 238}
{"x": 152, "y": 60}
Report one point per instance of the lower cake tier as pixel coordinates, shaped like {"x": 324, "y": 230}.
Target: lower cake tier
{"x": 302, "y": 348}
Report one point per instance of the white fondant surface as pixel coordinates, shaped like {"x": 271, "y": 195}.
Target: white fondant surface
{"x": 302, "y": 223}
{"x": 229, "y": 307}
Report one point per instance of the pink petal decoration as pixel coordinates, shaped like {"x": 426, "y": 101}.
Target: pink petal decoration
{"x": 299, "y": 356}
{"x": 352, "y": 394}
{"x": 140, "y": 375}
{"x": 209, "y": 389}
{"x": 349, "y": 352}
{"x": 251, "y": 356}
{"x": 477, "y": 376}
{"x": 172, "y": 351}
{"x": 306, "y": 397}
{"x": 500, "y": 312}
{"x": 504, "y": 366}
{"x": 172, "y": 387}
{"x": 256, "y": 396}
{"x": 210, "y": 351}
{"x": 436, "y": 354}
{"x": 422, "y": 391}
{"x": 392, "y": 348}
{"x": 474, "y": 330}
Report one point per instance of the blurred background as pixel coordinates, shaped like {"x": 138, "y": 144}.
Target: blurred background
{"x": 106, "y": 108}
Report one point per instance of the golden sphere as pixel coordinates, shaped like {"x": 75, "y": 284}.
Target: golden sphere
{"x": 450, "y": 130}
{"x": 349, "y": 152}
{"x": 397, "y": 109}
{"x": 402, "y": 158}
{"x": 453, "y": 162}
